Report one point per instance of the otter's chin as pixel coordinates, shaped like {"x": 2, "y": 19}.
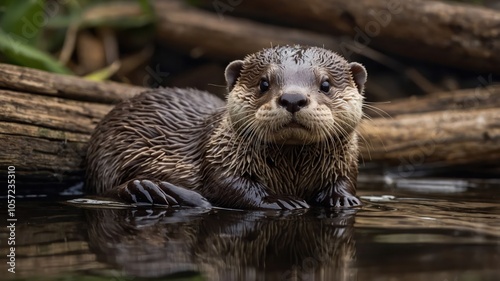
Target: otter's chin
{"x": 294, "y": 134}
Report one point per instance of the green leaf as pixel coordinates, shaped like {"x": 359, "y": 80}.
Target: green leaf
{"x": 105, "y": 73}
{"x": 24, "y": 19}
{"x": 147, "y": 8}
{"x": 17, "y": 50}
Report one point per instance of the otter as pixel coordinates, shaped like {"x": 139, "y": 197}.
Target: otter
{"x": 285, "y": 139}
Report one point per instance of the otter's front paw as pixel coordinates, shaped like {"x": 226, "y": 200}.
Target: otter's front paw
{"x": 339, "y": 201}
{"x": 276, "y": 202}
{"x": 160, "y": 193}
{"x": 343, "y": 202}
{"x": 339, "y": 195}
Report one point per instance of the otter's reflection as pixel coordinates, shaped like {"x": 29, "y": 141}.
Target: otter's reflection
{"x": 225, "y": 245}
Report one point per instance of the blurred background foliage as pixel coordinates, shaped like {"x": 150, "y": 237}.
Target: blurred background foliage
{"x": 72, "y": 36}
{"x": 121, "y": 40}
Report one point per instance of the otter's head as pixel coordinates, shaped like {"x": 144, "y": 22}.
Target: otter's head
{"x": 295, "y": 95}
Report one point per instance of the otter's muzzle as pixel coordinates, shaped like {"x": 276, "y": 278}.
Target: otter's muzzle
{"x": 293, "y": 102}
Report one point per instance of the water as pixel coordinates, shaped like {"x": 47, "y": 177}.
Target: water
{"x": 408, "y": 230}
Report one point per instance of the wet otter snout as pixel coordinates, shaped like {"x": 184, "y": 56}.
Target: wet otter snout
{"x": 293, "y": 101}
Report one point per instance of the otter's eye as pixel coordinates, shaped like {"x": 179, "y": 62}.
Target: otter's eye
{"x": 325, "y": 86}
{"x": 263, "y": 86}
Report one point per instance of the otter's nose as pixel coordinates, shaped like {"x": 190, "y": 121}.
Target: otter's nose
{"x": 293, "y": 102}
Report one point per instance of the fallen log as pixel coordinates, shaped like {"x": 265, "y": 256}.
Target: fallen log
{"x": 441, "y": 138}
{"x": 44, "y": 129}
{"x": 40, "y": 82}
{"x": 479, "y": 97}
{"x": 46, "y": 121}
{"x": 455, "y": 34}
{"x": 206, "y": 34}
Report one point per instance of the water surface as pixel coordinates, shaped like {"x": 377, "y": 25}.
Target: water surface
{"x": 409, "y": 230}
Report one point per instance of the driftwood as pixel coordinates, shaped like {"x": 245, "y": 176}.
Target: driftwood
{"x": 443, "y": 129}
{"x": 477, "y": 98}
{"x": 455, "y": 34}
{"x": 39, "y": 82}
{"x": 46, "y": 120}
{"x": 444, "y": 138}
{"x": 209, "y": 34}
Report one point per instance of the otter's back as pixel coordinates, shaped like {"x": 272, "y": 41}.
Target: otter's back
{"x": 157, "y": 132}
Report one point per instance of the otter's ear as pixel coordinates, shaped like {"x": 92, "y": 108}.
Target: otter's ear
{"x": 359, "y": 74}
{"x": 232, "y": 73}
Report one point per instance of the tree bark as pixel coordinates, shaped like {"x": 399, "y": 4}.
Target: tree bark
{"x": 221, "y": 36}
{"x": 40, "y": 82}
{"x": 480, "y": 97}
{"x": 46, "y": 121}
{"x": 455, "y": 34}
{"x": 444, "y": 138}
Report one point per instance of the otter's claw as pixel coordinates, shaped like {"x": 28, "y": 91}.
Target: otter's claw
{"x": 283, "y": 203}
{"x": 160, "y": 193}
{"x": 146, "y": 192}
{"x": 344, "y": 202}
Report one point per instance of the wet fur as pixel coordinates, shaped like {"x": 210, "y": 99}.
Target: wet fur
{"x": 194, "y": 140}
{"x": 159, "y": 133}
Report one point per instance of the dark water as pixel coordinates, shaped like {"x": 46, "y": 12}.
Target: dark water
{"x": 409, "y": 230}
